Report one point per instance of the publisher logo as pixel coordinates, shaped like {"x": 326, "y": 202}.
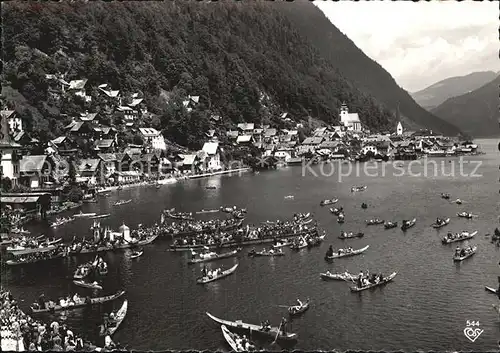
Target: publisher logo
{"x": 472, "y": 330}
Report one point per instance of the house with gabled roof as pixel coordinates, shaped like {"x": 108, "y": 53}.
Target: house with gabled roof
{"x": 105, "y": 145}
{"x": 110, "y": 163}
{"x": 212, "y": 160}
{"x": 245, "y": 140}
{"x": 35, "y": 171}
{"x": 77, "y": 88}
{"x": 246, "y": 128}
{"x": 154, "y": 138}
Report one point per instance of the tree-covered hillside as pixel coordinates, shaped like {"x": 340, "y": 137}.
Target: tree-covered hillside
{"x": 247, "y": 62}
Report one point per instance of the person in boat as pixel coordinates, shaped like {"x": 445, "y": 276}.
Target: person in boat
{"x": 457, "y": 251}
{"x": 283, "y": 326}
{"x": 299, "y": 302}
{"x": 41, "y": 300}
{"x": 462, "y": 252}
{"x": 204, "y": 271}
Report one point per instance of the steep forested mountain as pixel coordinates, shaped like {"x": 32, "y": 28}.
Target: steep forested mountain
{"x": 247, "y": 61}
{"x": 476, "y": 112}
{"x": 437, "y": 93}
{"x": 357, "y": 67}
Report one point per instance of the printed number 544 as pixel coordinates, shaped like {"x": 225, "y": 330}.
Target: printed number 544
{"x": 472, "y": 323}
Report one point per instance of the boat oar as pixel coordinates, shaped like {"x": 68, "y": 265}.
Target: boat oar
{"x": 277, "y": 334}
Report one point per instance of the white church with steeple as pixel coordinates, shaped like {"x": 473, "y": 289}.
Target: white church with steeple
{"x": 399, "y": 129}
{"x": 349, "y": 120}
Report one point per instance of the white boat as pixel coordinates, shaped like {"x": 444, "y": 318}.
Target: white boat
{"x": 136, "y": 254}
{"x": 18, "y": 250}
{"x": 346, "y": 276}
{"x": 207, "y": 279}
{"x": 93, "y": 285}
{"x": 83, "y": 215}
{"x": 337, "y": 255}
{"x": 371, "y": 285}
{"x": 469, "y": 253}
{"x": 122, "y": 202}
{"x": 119, "y": 317}
{"x": 236, "y": 342}
{"x": 458, "y": 237}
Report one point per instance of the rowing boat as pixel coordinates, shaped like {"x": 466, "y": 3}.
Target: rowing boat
{"x": 83, "y": 215}
{"x": 390, "y": 225}
{"x": 236, "y": 342}
{"x": 298, "y": 309}
{"x": 352, "y": 253}
{"x": 465, "y": 215}
{"x": 350, "y": 235}
{"x": 469, "y": 254}
{"x": 337, "y": 276}
{"x": 282, "y": 244}
{"x": 32, "y": 261}
{"x": 328, "y": 202}
{"x": 206, "y": 279}
{"x": 119, "y": 317}
{"x": 93, "y": 285}
{"x": 18, "y": 250}
{"x": 213, "y": 256}
{"x": 459, "y": 237}
{"x": 80, "y": 305}
{"x": 408, "y": 224}
{"x": 206, "y": 211}
{"x": 100, "y": 216}
{"x": 492, "y": 290}
{"x": 272, "y": 332}
{"x": 267, "y": 253}
{"x": 373, "y": 222}
{"x": 372, "y": 285}
{"x": 122, "y": 202}
{"x": 136, "y": 254}
{"x": 439, "y": 225}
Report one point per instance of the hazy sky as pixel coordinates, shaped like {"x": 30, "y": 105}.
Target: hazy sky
{"x": 424, "y": 42}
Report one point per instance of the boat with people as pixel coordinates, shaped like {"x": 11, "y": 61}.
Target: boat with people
{"x": 298, "y": 309}
{"x": 136, "y": 254}
{"x": 406, "y": 224}
{"x": 301, "y": 217}
{"x": 341, "y": 218}
{"x": 265, "y": 329}
{"x": 289, "y": 197}
{"x": 207, "y": 211}
{"x": 264, "y": 252}
{"x": 299, "y": 243}
{"x": 458, "y": 201}
{"x": 192, "y": 228}
{"x": 445, "y": 196}
{"x": 214, "y": 275}
{"x": 32, "y": 246}
{"x": 464, "y": 253}
{"x": 70, "y": 303}
{"x": 328, "y": 202}
{"x": 331, "y": 254}
{"x": 282, "y": 243}
{"x": 440, "y": 222}
{"x": 37, "y": 257}
{"x": 238, "y": 214}
{"x": 345, "y": 276}
{"x": 93, "y": 285}
{"x": 364, "y": 206}
{"x": 232, "y": 209}
{"x": 350, "y": 235}
{"x": 60, "y": 221}
{"x": 207, "y": 256}
{"x": 390, "y": 225}
{"x": 122, "y": 202}
{"x": 116, "y": 245}
{"x": 315, "y": 240}
{"x": 337, "y": 211}
{"x": 454, "y": 237}
{"x": 464, "y": 214}
{"x": 183, "y": 216}
{"x": 84, "y": 215}
{"x": 106, "y": 215}
{"x": 20, "y": 231}
{"x": 358, "y": 188}
{"x": 211, "y": 187}
{"x": 375, "y": 281}
{"x": 96, "y": 266}
{"x": 236, "y": 342}
{"x": 114, "y": 320}
{"x": 376, "y": 221}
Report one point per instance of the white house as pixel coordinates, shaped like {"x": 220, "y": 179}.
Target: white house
{"x": 213, "y": 155}
{"x": 350, "y": 120}
{"x": 399, "y": 129}
{"x": 153, "y": 137}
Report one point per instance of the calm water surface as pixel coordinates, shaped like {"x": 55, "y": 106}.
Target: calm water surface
{"x": 425, "y": 308}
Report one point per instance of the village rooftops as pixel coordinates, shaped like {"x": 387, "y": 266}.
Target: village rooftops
{"x": 107, "y": 157}
{"x": 210, "y": 148}
{"x": 188, "y": 159}
{"x": 244, "y": 138}
{"x": 105, "y": 143}
{"x": 87, "y": 116}
{"x": 77, "y": 84}
{"x": 270, "y": 132}
{"x": 246, "y": 126}
{"x": 135, "y": 102}
{"x": 88, "y": 165}
{"x": 149, "y": 132}
{"x": 312, "y": 141}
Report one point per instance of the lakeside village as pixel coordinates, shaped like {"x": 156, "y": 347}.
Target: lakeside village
{"x": 41, "y": 178}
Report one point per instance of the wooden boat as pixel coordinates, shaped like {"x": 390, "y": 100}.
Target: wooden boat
{"x": 465, "y": 215}
{"x": 408, "y": 224}
{"x": 341, "y": 218}
{"x": 344, "y": 235}
{"x": 445, "y": 196}
{"x": 210, "y": 187}
{"x": 328, "y": 202}
{"x": 300, "y": 245}
{"x": 289, "y": 197}
{"x": 100, "y": 216}
{"x": 282, "y": 243}
{"x": 183, "y": 216}
{"x": 18, "y": 261}
{"x": 203, "y": 280}
{"x": 82, "y": 271}
{"x": 92, "y": 301}
{"x": 439, "y": 225}
{"x": 84, "y": 215}
{"x": 18, "y": 250}
{"x": 273, "y": 332}
{"x": 90, "y": 201}
{"x": 466, "y": 256}
{"x": 345, "y": 254}
{"x": 375, "y": 221}
{"x": 236, "y": 342}
{"x": 458, "y": 201}
{"x": 364, "y": 206}
{"x": 372, "y": 285}
{"x": 337, "y": 211}
{"x": 146, "y": 241}
{"x": 60, "y": 222}
{"x": 298, "y": 309}
{"x": 20, "y": 231}
{"x": 315, "y": 240}
{"x": 458, "y": 237}
{"x": 491, "y": 290}
{"x": 337, "y": 276}
{"x": 358, "y": 188}
{"x": 123, "y": 202}
{"x": 119, "y": 317}
{"x": 264, "y": 252}
{"x": 93, "y": 285}
{"x": 212, "y": 256}
{"x": 207, "y": 211}
{"x": 136, "y": 254}
{"x": 390, "y": 225}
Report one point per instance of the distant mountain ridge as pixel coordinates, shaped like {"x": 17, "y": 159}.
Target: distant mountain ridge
{"x": 476, "y": 112}
{"x": 437, "y": 93}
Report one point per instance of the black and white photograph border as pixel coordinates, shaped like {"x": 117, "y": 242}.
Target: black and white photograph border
{"x": 250, "y": 176}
